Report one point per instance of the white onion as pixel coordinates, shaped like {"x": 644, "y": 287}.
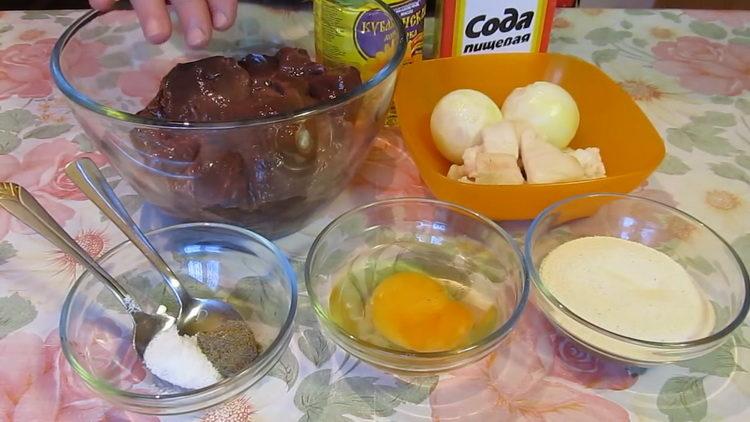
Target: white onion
{"x": 457, "y": 120}
{"x": 548, "y": 108}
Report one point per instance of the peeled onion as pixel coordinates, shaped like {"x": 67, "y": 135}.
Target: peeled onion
{"x": 548, "y": 108}
{"x": 457, "y": 120}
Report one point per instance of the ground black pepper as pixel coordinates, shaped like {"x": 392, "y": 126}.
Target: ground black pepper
{"x": 231, "y": 347}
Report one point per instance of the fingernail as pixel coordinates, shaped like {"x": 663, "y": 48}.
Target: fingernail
{"x": 220, "y": 20}
{"x": 152, "y": 29}
{"x": 196, "y": 37}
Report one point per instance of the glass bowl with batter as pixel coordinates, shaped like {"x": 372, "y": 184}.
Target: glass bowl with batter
{"x": 634, "y": 279}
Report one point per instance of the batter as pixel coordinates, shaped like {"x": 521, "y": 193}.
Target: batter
{"x": 627, "y": 288}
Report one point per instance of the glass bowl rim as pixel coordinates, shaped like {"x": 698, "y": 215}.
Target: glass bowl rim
{"x": 212, "y": 390}
{"x": 489, "y": 339}
{"x": 88, "y": 103}
{"x": 548, "y": 296}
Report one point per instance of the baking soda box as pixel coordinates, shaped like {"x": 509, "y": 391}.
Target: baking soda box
{"x": 492, "y": 26}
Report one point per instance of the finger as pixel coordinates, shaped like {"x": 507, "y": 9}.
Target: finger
{"x": 196, "y": 21}
{"x": 154, "y": 19}
{"x": 102, "y": 5}
{"x": 223, "y": 13}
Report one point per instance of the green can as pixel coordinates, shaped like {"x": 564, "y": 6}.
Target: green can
{"x": 352, "y": 32}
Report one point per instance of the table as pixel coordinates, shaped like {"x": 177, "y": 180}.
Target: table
{"x": 688, "y": 70}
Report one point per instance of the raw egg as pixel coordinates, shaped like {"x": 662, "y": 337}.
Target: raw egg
{"x": 415, "y": 311}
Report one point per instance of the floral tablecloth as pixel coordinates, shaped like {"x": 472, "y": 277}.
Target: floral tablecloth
{"x": 688, "y": 70}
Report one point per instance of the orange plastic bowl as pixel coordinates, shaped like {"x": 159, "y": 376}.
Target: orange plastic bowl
{"x": 631, "y": 148}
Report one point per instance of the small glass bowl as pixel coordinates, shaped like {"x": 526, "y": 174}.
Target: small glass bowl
{"x": 712, "y": 263}
{"x": 212, "y": 260}
{"x": 444, "y": 240}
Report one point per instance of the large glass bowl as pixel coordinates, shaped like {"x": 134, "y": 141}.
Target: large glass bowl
{"x": 270, "y": 174}
{"x": 443, "y": 240}
{"x": 213, "y": 261}
{"x": 711, "y": 262}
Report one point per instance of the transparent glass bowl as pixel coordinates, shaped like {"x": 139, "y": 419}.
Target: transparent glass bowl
{"x": 445, "y": 241}
{"x": 710, "y": 260}
{"x": 212, "y": 260}
{"x": 270, "y": 175}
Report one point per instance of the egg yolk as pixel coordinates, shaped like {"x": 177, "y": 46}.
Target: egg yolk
{"x": 414, "y": 311}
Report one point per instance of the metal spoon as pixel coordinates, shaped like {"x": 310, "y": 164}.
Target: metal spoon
{"x": 196, "y": 314}
{"x": 20, "y": 203}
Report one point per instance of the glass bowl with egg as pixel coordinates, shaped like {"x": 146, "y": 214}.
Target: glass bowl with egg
{"x": 212, "y": 261}
{"x": 634, "y": 279}
{"x": 416, "y": 286}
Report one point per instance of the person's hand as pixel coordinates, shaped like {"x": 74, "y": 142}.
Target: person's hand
{"x": 198, "y": 17}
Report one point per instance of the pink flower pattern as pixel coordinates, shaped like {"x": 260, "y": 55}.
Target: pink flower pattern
{"x": 730, "y": 18}
{"x": 569, "y": 360}
{"x": 536, "y": 374}
{"x": 37, "y": 384}
{"x": 42, "y": 171}
{"x": 144, "y": 82}
{"x": 705, "y": 66}
{"x": 82, "y": 59}
{"x": 389, "y": 171}
{"x": 119, "y": 17}
{"x": 24, "y": 68}
{"x": 31, "y": 34}
{"x": 520, "y": 382}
